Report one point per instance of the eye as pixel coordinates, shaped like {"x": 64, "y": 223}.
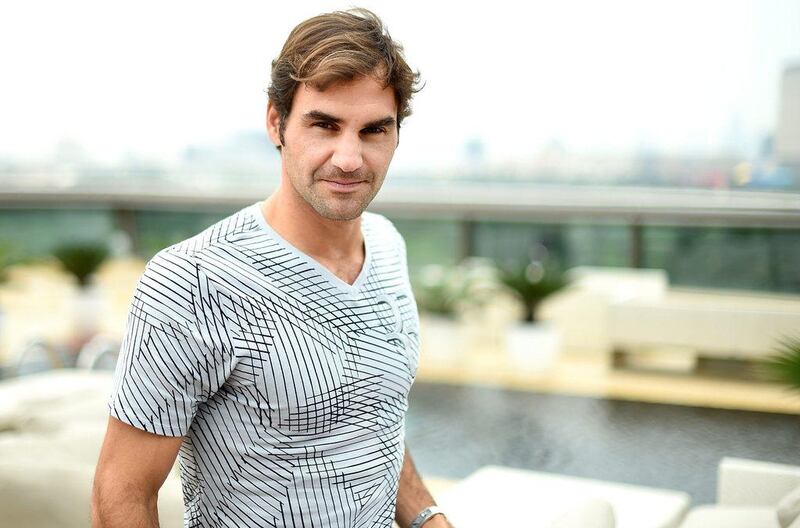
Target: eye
{"x": 324, "y": 125}
{"x": 374, "y": 130}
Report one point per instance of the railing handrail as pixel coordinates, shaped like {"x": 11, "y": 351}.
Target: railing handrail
{"x": 641, "y": 205}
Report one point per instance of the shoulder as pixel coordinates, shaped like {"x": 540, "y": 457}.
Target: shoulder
{"x": 208, "y": 248}
{"x": 230, "y": 230}
{"x": 172, "y": 265}
{"x": 173, "y": 274}
{"x": 383, "y": 228}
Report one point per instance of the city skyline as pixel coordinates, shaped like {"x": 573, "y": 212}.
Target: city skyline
{"x": 151, "y": 80}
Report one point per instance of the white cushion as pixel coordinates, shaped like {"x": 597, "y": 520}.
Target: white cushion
{"x": 731, "y": 517}
{"x": 79, "y": 443}
{"x": 497, "y": 496}
{"x": 47, "y": 493}
{"x": 789, "y": 508}
{"x": 48, "y": 401}
{"x": 594, "y": 513}
{"x": 51, "y": 428}
{"x": 29, "y": 498}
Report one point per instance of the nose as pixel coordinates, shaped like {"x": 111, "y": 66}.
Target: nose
{"x": 347, "y": 154}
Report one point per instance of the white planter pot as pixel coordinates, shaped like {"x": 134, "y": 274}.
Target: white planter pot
{"x": 533, "y": 346}
{"x": 87, "y": 310}
{"x": 442, "y": 338}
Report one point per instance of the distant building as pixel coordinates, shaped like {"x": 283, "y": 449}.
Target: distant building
{"x": 787, "y": 140}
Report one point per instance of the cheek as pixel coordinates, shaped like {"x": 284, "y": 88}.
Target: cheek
{"x": 307, "y": 153}
{"x": 382, "y": 156}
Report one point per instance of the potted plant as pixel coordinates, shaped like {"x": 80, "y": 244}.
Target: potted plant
{"x": 5, "y": 262}
{"x": 9, "y": 256}
{"x": 437, "y": 290}
{"x": 530, "y": 343}
{"x": 784, "y": 365}
{"x": 82, "y": 260}
{"x": 487, "y": 308}
{"x": 532, "y": 283}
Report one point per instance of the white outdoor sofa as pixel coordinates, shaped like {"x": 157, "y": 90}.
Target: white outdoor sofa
{"x": 500, "y": 496}
{"x": 626, "y": 311}
{"x": 750, "y": 495}
{"x": 51, "y": 427}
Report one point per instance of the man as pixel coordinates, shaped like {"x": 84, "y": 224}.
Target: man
{"x": 275, "y": 350}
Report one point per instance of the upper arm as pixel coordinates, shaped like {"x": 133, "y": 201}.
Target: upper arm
{"x": 134, "y": 461}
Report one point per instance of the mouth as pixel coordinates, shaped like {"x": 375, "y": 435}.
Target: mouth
{"x": 343, "y": 185}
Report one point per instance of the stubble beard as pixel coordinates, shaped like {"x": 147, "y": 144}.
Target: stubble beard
{"x": 338, "y": 206}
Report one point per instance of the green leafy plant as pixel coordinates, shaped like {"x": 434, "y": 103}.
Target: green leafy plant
{"x": 5, "y": 261}
{"x": 9, "y": 256}
{"x": 532, "y": 283}
{"x": 443, "y": 290}
{"x": 437, "y": 290}
{"x": 82, "y": 260}
{"x": 784, "y": 365}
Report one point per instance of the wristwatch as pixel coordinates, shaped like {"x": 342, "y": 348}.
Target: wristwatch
{"x": 424, "y": 515}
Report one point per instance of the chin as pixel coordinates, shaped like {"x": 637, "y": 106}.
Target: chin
{"x": 333, "y": 208}
{"x": 339, "y": 214}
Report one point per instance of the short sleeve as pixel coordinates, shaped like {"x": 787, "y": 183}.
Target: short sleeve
{"x": 166, "y": 370}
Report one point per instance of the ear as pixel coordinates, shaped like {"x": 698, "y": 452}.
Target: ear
{"x": 273, "y": 125}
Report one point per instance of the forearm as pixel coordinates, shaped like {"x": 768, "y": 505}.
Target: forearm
{"x": 113, "y": 510}
{"x": 413, "y": 497}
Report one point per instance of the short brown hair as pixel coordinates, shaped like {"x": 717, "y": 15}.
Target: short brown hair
{"x": 340, "y": 46}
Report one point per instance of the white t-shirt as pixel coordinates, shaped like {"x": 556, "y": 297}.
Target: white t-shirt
{"x": 289, "y": 385}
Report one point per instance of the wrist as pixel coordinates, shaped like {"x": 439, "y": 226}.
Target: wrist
{"x": 430, "y": 517}
{"x": 437, "y": 521}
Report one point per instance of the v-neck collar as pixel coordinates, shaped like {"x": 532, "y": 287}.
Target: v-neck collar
{"x": 331, "y": 277}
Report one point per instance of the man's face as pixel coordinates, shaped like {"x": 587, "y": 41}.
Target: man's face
{"x": 338, "y": 144}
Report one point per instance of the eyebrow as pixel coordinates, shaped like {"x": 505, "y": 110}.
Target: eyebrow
{"x": 316, "y": 115}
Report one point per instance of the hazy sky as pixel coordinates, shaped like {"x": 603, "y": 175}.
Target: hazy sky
{"x": 150, "y": 77}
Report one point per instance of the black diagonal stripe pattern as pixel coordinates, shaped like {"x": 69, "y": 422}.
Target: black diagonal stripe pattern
{"x": 289, "y": 386}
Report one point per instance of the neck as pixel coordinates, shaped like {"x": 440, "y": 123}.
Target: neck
{"x": 300, "y": 225}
